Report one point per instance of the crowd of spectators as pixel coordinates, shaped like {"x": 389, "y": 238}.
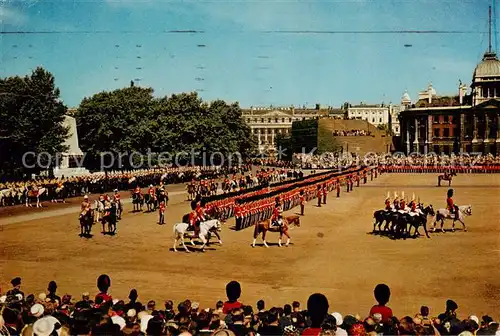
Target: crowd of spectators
{"x": 352, "y": 132}
{"x": 47, "y": 314}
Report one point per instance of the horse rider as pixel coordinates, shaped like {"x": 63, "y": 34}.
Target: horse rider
{"x": 395, "y": 202}
{"x": 388, "y": 206}
{"x": 85, "y": 207}
{"x": 200, "y": 211}
{"x": 402, "y": 203}
{"x": 450, "y": 205}
{"x": 117, "y": 201}
{"x": 278, "y": 210}
{"x": 193, "y": 219}
{"x": 151, "y": 191}
{"x": 137, "y": 190}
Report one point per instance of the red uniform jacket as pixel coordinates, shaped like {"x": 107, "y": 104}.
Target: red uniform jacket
{"x": 162, "y": 207}
{"x": 388, "y": 205}
{"x": 301, "y": 199}
{"x": 137, "y": 190}
{"x": 192, "y": 218}
{"x": 450, "y": 204}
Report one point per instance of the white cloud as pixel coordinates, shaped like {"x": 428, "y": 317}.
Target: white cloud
{"x": 12, "y": 16}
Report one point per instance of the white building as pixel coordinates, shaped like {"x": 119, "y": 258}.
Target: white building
{"x": 374, "y": 114}
{"x": 394, "y": 111}
{"x": 267, "y": 122}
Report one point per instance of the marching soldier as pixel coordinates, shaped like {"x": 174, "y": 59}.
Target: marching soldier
{"x": 161, "y": 213}
{"x": 302, "y": 202}
{"x": 325, "y": 192}
{"x": 318, "y": 195}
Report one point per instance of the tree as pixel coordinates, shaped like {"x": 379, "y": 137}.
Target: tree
{"x": 386, "y": 128}
{"x": 284, "y": 145}
{"x": 31, "y": 116}
{"x": 120, "y": 121}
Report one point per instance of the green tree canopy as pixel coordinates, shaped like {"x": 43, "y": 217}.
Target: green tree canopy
{"x": 31, "y": 116}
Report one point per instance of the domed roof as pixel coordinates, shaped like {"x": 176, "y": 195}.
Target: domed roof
{"x": 406, "y": 97}
{"x": 489, "y": 66}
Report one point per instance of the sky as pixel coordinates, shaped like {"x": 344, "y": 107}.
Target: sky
{"x": 257, "y": 53}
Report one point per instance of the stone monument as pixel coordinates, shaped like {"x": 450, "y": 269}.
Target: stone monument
{"x": 73, "y": 151}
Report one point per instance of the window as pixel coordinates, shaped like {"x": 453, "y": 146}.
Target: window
{"x": 262, "y": 120}
{"x": 436, "y": 149}
{"x": 446, "y": 132}
{"x": 380, "y": 120}
{"x": 289, "y": 119}
{"x": 283, "y": 120}
{"x": 269, "y": 120}
{"x": 276, "y": 120}
{"x": 437, "y": 132}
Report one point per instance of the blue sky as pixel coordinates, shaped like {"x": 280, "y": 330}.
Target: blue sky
{"x": 248, "y": 51}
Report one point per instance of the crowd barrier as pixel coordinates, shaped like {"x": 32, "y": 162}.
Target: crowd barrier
{"x": 477, "y": 169}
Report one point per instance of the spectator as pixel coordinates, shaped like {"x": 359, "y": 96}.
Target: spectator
{"x": 382, "y": 294}
{"x": 317, "y": 308}
{"x": 16, "y": 287}
{"x": 103, "y": 284}
{"x": 52, "y": 288}
{"x": 286, "y": 319}
{"x": 233, "y": 292}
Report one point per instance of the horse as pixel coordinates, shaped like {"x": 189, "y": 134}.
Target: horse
{"x": 442, "y": 214}
{"x": 59, "y": 194}
{"x": 119, "y": 209}
{"x": 86, "y": 221}
{"x": 98, "y": 211}
{"x": 137, "y": 201}
{"x": 5, "y": 195}
{"x": 390, "y": 218}
{"x": 109, "y": 217}
{"x": 446, "y": 177}
{"x": 207, "y": 227}
{"x": 416, "y": 221}
{"x": 265, "y": 226}
{"x": 34, "y": 193}
{"x": 191, "y": 190}
{"x": 151, "y": 202}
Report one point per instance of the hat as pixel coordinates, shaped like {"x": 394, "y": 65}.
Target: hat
{"x": 42, "y": 296}
{"x": 388, "y": 196}
{"x": 131, "y": 313}
{"x": 85, "y": 197}
{"x": 116, "y": 190}
{"x": 119, "y": 321}
{"x": 451, "y": 305}
{"x": 16, "y": 281}
{"x": 413, "y": 197}
{"x": 402, "y": 194}
{"x": 19, "y": 297}
{"x": 37, "y": 310}
{"x": 474, "y": 318}
{"x": 3, "y": 298}
{"x": 86, "y": 294}
{"x": 338, "y": 318}
{"x": 45, "y": 326}
{"x": 395, "y": 195}
{"x": 195, "y": 305}
{"x": 144, "y": 322}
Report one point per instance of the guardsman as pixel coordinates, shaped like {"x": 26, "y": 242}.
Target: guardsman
{"x": 161, "y": 212}
{"x": 193, "y": 220}
{"x": 388, "y": 202}
{"x": 237, "y": 213}
{"x": 337, "y": 185}
{"x": 319, "y": 193}
{"x": 402, "y": 203}
{"x": 396, "y": 201}
{"x": 137, "y": 189}
{"x": 325, "y": 192}
{"x": 450, "y": 204}
{"x": 85, "y": 207}
{"x": 302, "y": 202}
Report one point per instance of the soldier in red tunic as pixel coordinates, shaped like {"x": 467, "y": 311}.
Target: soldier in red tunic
{"x": 450, "y": 205}
{"x": 193, "y": 220}
{"x": 137, "y": 190}
{"x": 302, "y": 202}
{"x": 325, "y": 192}
{"x": 388, "y": 203}
{"x": 161, "y": 213}
{"x": 318, "y": 195}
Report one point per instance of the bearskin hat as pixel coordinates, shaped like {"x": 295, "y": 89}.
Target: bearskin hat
{"x": 103, "y": 282}
{"x": 450, "y": 192}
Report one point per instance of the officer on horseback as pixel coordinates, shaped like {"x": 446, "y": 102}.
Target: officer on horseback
{"x": 388, "y": 206}
{"x": 276, "y": 220}
{"x": 194, "y": 221}
{"x": 85, "y": 208}
{"x": 450, "y": 205}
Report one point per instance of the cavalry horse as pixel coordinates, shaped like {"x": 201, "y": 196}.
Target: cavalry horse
{"x": 151, "y": 202}
{"x": 33, "y": 193}
{"x": 396, "y": 222}
{"x": 206, "y": 227}
{"x": 86, "y": 221}
{"x": 137, "y": 201}
{"x": 59, "y": 194}
{"x": 442, "y": 214}
{"x": 446, "y": 177}
{"x": 265, "y": 226}
{"x": 109, "y": 217}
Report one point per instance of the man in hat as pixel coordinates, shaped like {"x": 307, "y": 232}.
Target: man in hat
{"x": 194, "y": 220}
{"x": 302, "y": 202}
{"x": 450, "y": 205}
{"x": 396, "y": 202}
{"x": 161, "y": 212}
{"x": 388, "y": 203}
{"x": 52, "y": 288}
{"x": 85, "y": 207}
{"x": 103, "y": 284}
{"x": 319, "y": 193}
{"x": 16, "y": 287}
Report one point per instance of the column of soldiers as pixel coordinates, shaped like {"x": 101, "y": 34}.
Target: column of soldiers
{"x": 248, "y": 211}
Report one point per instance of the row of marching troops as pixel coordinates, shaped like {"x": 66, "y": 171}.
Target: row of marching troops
{"x": 261, "y": 205}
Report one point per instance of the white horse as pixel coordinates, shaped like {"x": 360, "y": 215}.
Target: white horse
{"x": 180, "y": 232}
{"x": 4, "y": 193}
{"x": 442, "y": 214}
{"x": 35, "y": 194}
{"x": 98, "y": 208}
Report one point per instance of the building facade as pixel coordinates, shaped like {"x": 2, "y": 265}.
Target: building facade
{"x": 463, "y": 123}
{"x": 267, "y": 122}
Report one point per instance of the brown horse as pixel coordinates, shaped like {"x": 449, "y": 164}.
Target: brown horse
{"x": 264, "y": 226}
{"x": 446, "y": 177}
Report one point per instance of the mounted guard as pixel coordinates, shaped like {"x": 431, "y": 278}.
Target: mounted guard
{"x": 450, "y": 204}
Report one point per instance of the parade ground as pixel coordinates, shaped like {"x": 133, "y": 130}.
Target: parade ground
{"x": 333, "y": 252}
